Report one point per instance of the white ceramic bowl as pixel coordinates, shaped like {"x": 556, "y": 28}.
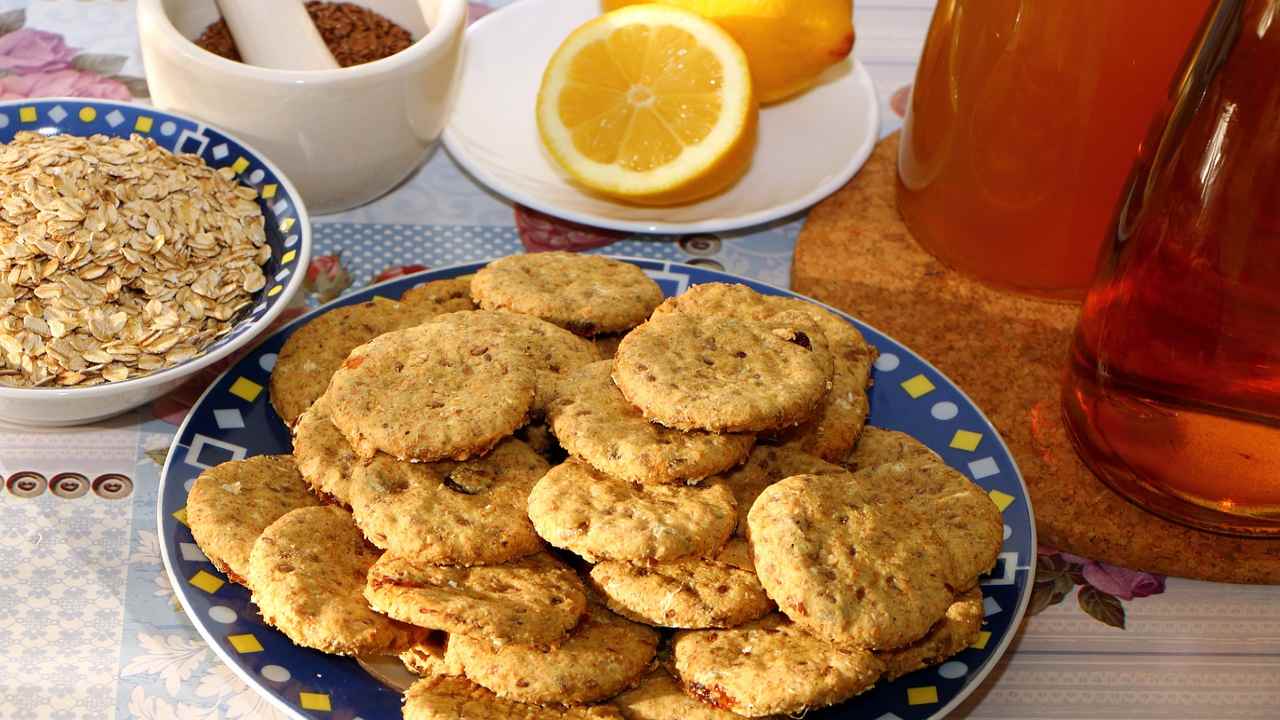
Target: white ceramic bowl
{"x": 345, "y": 136}
{"x": 288, "y": 230}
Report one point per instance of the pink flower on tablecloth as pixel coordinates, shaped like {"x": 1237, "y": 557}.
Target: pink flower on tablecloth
{"x": 477, "y": 10}
{"x": 34, "y": 51}
{"x": 69, "y": 82}
{"x": 326, "y": 277}
{"x": 540, "y": 232}
{"x": 399, "y": 271}
{"x": 898, "y": 100}
{"x": 1121, "y": 582}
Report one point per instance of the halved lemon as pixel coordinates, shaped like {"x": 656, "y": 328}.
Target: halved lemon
{"x": 649, "y": 104}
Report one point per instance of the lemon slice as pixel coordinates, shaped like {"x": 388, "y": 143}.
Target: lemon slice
{"x": 649, "y": 104}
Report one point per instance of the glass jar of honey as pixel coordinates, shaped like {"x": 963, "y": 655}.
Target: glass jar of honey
{"x": 1173, "y": 391}
{"x": 1024, "y": 121}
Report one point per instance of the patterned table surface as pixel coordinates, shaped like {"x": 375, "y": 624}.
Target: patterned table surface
{"x": 90, "y": 629}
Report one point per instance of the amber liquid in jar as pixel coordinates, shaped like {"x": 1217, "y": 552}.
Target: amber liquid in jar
{"x": 1173, "y": 391}
{"x": 1025, "y": 119}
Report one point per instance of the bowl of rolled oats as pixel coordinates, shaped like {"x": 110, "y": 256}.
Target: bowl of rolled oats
{"x": 136, "y": 248}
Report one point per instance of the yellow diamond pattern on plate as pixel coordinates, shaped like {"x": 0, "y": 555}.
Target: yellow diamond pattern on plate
{"x": 966, "y": 440}
{"x": 285, "y": 224}
{"x": 314, "y": 701}
{"x": 143, "y": 124}
{"x": 275, "y": 291}
{"x": 239, "y": 165}
{"x": 288, "y": 257}
{"x": 87, "y": 114}
{"x": 1002, "y": 500}
{"x": 245, "y": 644}
{"x": 917, "y": 386}
{"x": 27, "y": 114}
{"x": 269, "y": 190}
{"x": 207, "y": 582}
{"x": 245, "y": 389}
{"x": 181, "y": 515}
{"x": 922, "y": 695}
{"x": 981, "y": 642}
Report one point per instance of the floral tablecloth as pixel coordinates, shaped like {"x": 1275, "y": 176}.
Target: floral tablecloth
{"x": 89, "y": 626}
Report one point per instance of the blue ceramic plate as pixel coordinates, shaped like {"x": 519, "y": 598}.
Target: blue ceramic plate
{"x": 234, "y": 420}
{"x": 287, "y": 227}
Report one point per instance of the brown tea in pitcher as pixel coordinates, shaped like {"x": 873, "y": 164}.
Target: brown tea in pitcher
{"x": 1173, "y": 392}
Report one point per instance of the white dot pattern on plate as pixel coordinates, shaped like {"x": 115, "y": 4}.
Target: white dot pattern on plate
{"x": 222, "y": 614}
{"x": 275, "y": 673}
{"x": 887, "y": 362}
{"x": 944, "y": 410}
{"x": 953, "y": 670}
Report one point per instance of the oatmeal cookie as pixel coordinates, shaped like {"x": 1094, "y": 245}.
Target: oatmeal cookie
{"x": 597, "y": 425}
{"x": 230, "y": 505}
{"x": 585, "y": 294}
{"x": 602, "y": 518}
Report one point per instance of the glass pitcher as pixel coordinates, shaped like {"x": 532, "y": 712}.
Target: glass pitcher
{"x": 1024, "y": 121}
{"x": 1173, "y": 391}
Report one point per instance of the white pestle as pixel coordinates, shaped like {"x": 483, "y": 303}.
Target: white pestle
{"x": 276, "y": 34}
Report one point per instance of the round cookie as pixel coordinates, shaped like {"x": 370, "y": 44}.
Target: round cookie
{"x": 834, "y": 428}
{"x": 968, "y": 523}
{"x": 723, "y": 374}
{"x": 429, "y": 658}
{"x": 535, "y": 599}
{"x": 307, "y": 571}
{"x": 550, "y": 351}
{"x": 955, "y": 632}
{"x": 433, "y": 391}
{"x": 324, "y": 457}
{"x": 766, "y": 465}
{"x": 877, "y": 446}
{"x": 688, "y": 593}
{"x": 770, "y": 666}
{"x": 847, "y": 563}
{"x": 230, "y": 505}
{"x": 451, "y": 698}
{"x": 602, "y": 518}
{"x": 585, "y": 294}
{"x": 597, "y": 425}
{"x": 602, "y": 656}
{"x": 316, "y": 350}
{"x": 437, "y": 297}
{"x": 660, "y": 697}
{"x": 470, "y": 513}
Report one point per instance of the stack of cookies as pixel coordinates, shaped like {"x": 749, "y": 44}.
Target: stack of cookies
{"x": 696, "y": 527}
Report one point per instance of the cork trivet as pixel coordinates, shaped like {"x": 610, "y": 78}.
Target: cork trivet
{"x": 1008, "y": 354}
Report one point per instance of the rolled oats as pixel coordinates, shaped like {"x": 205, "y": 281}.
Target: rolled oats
{"x": 118, "y": 258}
